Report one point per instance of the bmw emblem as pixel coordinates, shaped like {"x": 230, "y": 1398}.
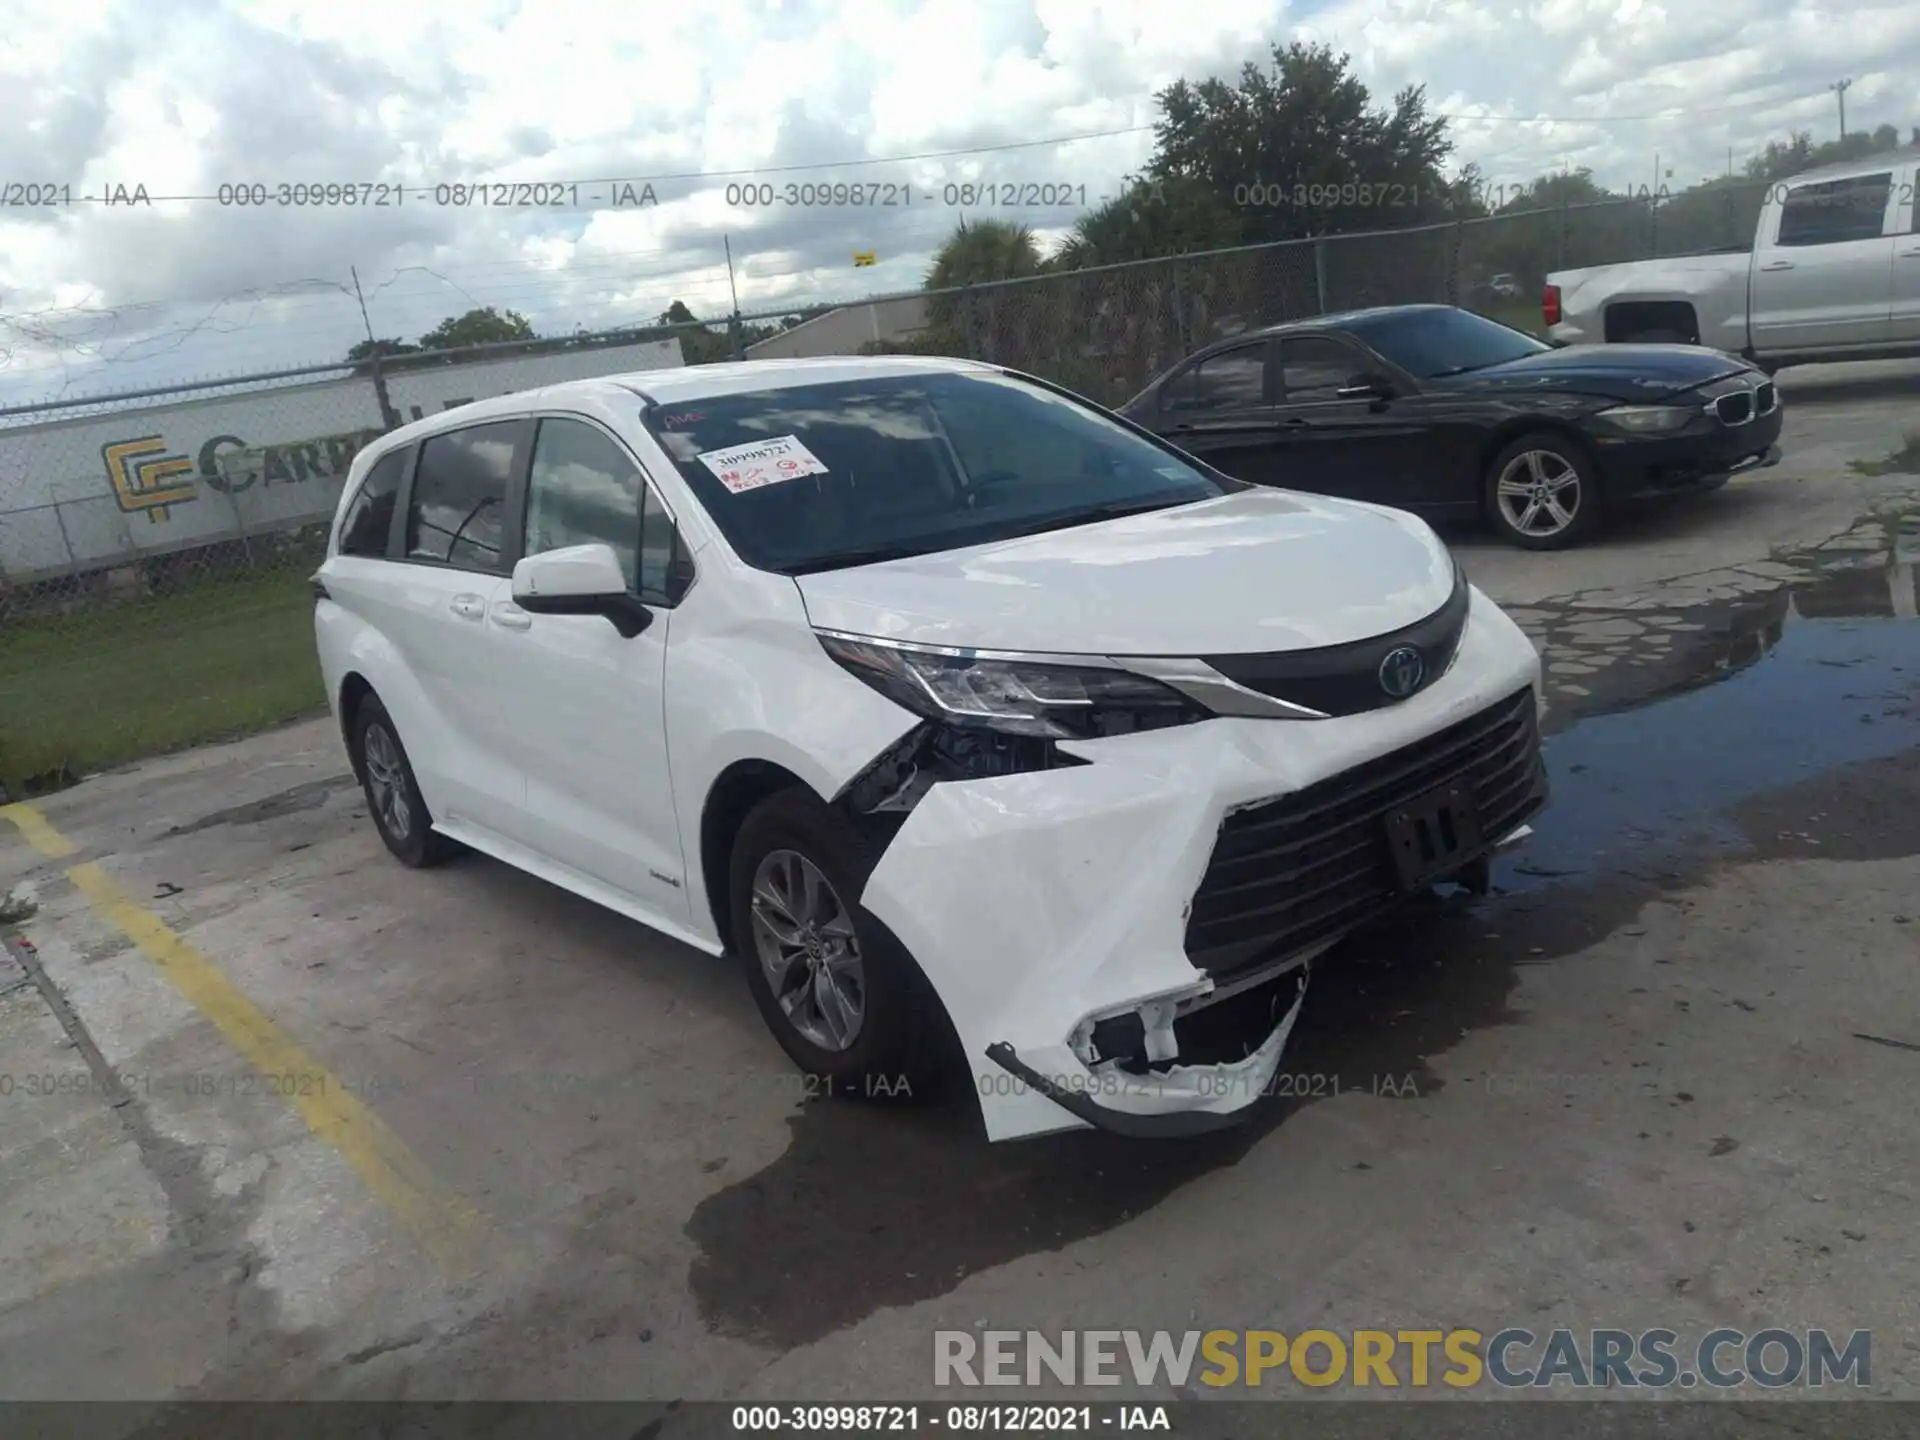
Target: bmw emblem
{"x": 1402, "y": 671}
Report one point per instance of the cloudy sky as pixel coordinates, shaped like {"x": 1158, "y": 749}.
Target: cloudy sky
{"x": 184, "y": 96}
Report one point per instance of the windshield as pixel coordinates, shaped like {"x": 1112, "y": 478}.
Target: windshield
{"x": 817, "y": 477}
{"x": 1430, "y": 343}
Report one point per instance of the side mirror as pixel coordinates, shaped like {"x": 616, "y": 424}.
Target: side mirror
{"x": 580, "y": 580}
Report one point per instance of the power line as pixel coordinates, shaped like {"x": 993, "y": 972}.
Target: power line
{"x": 962, "y": 152}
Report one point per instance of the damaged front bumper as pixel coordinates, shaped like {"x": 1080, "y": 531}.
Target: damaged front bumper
{"x": 1123, "y": 941}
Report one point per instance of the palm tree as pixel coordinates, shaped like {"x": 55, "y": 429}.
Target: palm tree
{"x": 979, "y": 252}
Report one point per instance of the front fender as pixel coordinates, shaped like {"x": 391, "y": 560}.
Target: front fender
{"x": 747, "y": 681}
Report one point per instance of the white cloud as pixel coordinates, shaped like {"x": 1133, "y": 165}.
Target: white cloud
{"x": 184, "y": 96}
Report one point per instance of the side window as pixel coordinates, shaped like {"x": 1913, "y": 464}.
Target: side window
{"x": 1232, "y": 380}
{"x": 460, "y": 496}
{"x": 1313, "y": 369}
{"x": 584, "y": 489}
{"x": 370, "y": 518}
{"x": 1832, "y": 211}
{"x": 661, "y": 560}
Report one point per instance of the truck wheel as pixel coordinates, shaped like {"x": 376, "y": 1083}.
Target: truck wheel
{"x": 1541, "y": 493}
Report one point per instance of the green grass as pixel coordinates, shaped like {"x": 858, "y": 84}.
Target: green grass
{"x": 226, "y": 657}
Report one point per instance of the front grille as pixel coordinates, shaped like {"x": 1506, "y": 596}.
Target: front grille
{"x": 1734, "y": 409}
{"x": 1767, "y": 398}
{"x": 1289, "y": 873}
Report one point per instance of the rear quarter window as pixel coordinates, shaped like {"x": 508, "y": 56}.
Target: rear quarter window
{"x": 369, "y": 518}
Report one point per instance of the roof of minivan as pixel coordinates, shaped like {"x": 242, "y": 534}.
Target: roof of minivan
{"x": 679, "y": 385}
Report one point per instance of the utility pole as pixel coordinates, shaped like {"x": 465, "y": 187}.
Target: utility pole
{"x": 389, "y": 416}
{"x": 735, "y": 348}
{"x": 355, "y": 273}
{"x": 1840, "y": 88}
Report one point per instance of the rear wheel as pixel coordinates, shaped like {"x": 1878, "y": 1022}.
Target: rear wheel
{"x": 393, "y": 797}
{"x": 841, "y": 995}
{"x": 1541, "y": 493}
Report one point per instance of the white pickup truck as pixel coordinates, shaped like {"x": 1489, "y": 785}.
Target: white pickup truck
{"x": 1834, "y": 274}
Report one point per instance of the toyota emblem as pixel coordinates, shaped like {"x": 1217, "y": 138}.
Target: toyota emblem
{"x": 1402, "y": 671}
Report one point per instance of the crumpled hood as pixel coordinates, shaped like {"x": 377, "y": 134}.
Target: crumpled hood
{"x": 1253, "y": 571}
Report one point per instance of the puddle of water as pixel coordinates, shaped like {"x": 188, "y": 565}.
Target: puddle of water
{"x": 1632, "y": 788}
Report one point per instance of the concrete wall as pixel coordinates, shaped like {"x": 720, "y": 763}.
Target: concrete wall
{"x": 86, "y": 493}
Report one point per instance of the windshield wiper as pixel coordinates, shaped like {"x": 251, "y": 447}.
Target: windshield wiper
{"x": 1108, "y": 510}
{"x": 858, "y": 555}
{"x": 963, "y": 539}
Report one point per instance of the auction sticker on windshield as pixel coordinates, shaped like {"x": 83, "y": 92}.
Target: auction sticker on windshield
{"x": 763, "y": 462}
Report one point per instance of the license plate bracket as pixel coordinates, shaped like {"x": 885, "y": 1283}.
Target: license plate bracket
{"x": 1433, "y": 835}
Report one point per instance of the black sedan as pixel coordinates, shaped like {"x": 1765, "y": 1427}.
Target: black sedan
{"x": 1440, "y": 411}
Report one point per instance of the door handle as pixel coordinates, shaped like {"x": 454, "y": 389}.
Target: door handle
{"x": 1778, "y": 265}
{"x": 509, "y": 616}
{"x": 1294, "y": 422}
{"x": 468, "y": 607}
{"x": 1910, "y": 254}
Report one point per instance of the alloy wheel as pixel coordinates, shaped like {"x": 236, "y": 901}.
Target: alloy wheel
{"x": 804, "y": 937}
{"x": 1539, "y": 493}
{"x": 387, "y": 781}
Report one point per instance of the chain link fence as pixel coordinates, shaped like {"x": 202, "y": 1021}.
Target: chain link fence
{"x": 155, "y": 546}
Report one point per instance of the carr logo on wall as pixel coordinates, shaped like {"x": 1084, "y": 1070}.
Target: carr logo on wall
{"x": 145, "y": 479}
{"x": 88, "y": 493}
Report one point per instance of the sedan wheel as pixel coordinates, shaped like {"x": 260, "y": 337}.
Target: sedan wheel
{"x": 805, "y": 941}
{"x": 1541, "y": 494}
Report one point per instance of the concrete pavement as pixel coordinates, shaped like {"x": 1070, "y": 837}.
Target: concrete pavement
{"x": 338, "y": 1129}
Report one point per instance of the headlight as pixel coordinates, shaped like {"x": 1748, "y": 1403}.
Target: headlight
{"x": 1649, "y": 419}
{"x": 1016, "y": 697}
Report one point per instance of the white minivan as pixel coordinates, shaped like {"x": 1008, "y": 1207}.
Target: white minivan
{"x": 957, "y": 706}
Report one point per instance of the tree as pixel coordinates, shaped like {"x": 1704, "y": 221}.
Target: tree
{"x": 978, "y": 252}
{"x": 981, "y": 251}
{"x": 1550, "y": 191}
{"x": 1300, "y": 149}
{"x": 1780, "y": 160}
{"x": 477, "y": 327}
{"x": 1149, "y": 219}
{"x": 364, "y": 352}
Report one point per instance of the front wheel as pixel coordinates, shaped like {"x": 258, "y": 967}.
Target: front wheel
{"x": 1541, "y": 493}
{"x": 841, "y": 995}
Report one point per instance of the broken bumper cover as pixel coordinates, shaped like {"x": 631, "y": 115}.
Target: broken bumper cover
{"x": 1042, "y": 904}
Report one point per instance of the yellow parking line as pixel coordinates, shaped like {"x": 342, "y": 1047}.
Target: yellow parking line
{"x": 42, "y": 836}
{"x": 450, "y": 1229}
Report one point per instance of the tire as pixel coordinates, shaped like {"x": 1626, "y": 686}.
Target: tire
{"x": 1543, "y": 459}
{"x": 393, "y": 796}
{"x": 866, "y": 1026}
